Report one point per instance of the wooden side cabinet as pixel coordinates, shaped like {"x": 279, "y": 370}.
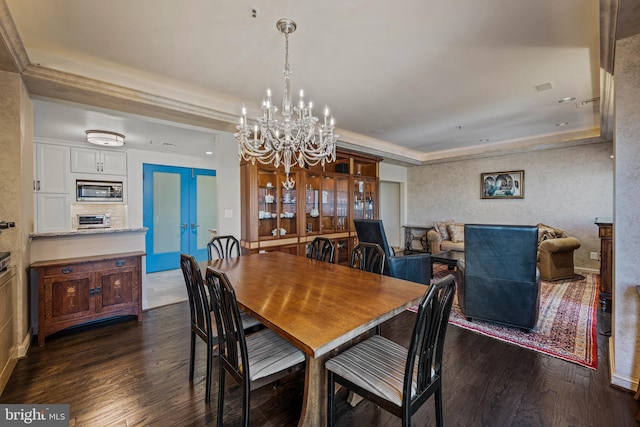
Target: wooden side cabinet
{"x": 74, "y": 291}
{"x": 605, "y": 232}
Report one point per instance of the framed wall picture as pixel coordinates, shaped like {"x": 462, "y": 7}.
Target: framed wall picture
{"x": 502, "y": 185}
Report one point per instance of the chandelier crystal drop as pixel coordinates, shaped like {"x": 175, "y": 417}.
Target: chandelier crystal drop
{"x": 295, "y": 138}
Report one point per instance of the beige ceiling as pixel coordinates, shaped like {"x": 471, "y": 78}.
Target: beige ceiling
{"x": 415, "y": 81}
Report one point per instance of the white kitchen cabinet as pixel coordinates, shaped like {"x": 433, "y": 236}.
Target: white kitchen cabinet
{"x": 52, "y": 188}
{"x": 52, "y": 169}
{"x": 107, "y": 162}
{"x": 53, "y": 212}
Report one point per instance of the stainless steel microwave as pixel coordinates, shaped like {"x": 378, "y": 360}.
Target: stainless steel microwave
{"x": 99, "y": 191}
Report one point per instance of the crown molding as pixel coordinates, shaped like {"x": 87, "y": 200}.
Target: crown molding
{"x": 609, "y": 10}
{"x": 16, "y": 56}
{"x": 55, "y": 84}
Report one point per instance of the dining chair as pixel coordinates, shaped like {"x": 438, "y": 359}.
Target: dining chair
{"x": 321, "y": 249}
{"x": 223, "y": 246}
{"x": 201, "y": 325}
{"x": 368, "y": 256}
{"x": 252, "y": 361}
{"x": 397, "y": 379}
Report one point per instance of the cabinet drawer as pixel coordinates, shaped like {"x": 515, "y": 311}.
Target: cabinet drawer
{"x": 114, "y": 263}
{"x": 605, "y": 232}
{"x": 87, "y": 267}
{"x": 58, "y": 270}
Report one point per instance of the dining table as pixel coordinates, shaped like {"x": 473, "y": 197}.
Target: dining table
{"x": 319, "y": 307}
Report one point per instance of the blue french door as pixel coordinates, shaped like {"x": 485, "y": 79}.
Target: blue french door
{"x": 179, "y": 209}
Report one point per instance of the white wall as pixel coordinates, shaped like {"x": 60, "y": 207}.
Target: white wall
{"x": 390, "y": 212}
{"x": 565, "y": 187}
{"x": 393, "y": 174}
{"x": 625, "y": 340}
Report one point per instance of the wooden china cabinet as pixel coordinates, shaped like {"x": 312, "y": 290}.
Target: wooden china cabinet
{"x": 323, "y": 203}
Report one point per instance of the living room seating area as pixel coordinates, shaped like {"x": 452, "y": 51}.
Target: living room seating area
{"x": 555, "y": 247}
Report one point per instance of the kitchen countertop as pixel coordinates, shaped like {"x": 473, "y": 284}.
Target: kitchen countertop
{"x": 87, "y": 232}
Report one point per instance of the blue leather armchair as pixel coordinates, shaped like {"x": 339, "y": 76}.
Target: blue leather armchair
{"x": 414, "y": 267}
{"x": 498, "y": 280}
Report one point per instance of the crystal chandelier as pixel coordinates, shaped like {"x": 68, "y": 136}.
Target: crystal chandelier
{"x": 297, "y": 138}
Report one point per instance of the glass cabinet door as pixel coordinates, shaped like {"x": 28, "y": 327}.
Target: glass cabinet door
{"x": 364, "y": 199}
{"x": 342, "y": 203}
{"x": 288, "y": 203}
{"x": 312, "y": 204}
{"x": 369, "y": 199}
{"x": 328, "y": 204}
{"x": 267, "y": 203}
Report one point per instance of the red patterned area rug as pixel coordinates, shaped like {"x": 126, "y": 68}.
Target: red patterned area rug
{"x": 566, "y": 326}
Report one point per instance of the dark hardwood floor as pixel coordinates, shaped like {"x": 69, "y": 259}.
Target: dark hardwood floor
{"x": 125, "y": 373}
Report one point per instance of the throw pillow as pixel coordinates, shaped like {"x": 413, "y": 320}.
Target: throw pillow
{"x": 547, "y": 232}
{"x": 442, "y": 230}
{"x": 457, "y": 232}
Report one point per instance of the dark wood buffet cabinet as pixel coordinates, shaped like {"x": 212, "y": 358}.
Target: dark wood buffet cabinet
{"x": 74, "y": 291}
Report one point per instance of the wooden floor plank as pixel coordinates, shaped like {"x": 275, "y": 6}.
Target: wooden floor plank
{"x": 126, "y": 373}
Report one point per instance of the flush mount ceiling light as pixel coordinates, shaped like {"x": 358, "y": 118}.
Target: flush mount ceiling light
{"x": 567, "y": 99}
{"x": 105, "y": 138}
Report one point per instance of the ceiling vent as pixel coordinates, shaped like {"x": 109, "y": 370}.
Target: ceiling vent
{"x": 543, "y": 87}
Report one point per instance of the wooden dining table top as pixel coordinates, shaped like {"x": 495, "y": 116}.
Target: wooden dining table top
{"x": 313, "y": 304}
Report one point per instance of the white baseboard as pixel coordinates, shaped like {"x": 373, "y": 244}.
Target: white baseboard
{"x": 586, "y": 270}
{"x": 22, "y": 349}
{"x": 616, "y": 380}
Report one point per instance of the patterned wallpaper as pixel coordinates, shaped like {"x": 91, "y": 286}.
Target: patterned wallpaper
{"x": 565, "y": 188}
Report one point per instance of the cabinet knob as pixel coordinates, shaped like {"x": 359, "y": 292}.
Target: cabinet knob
{"x": 99, "y": 290}
{"x": 120, "y": 263}
{"x": 91, "y": 292}
{"x": 67, "y": 270}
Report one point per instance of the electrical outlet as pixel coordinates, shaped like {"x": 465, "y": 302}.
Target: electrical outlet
{"x": 593, "y": 255}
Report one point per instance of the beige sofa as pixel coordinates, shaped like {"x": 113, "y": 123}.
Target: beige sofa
{"x": 446, "y": 236}
{"x": 555, "y": 247}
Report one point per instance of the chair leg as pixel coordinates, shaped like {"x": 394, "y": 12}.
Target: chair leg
{"x": 406, "y": 418}
{"x": 207, "y": 393}
{"x": 331, "y": 400}
{"x": 245, "y": 405}
{"x": 438, "y": 403}
{"x": 192, "y": 355}
{"x": 220, "y": 394}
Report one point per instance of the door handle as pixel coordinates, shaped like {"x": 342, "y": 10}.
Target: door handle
{"x": 183, "y": 226}
{"x": 194, "y": 226}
